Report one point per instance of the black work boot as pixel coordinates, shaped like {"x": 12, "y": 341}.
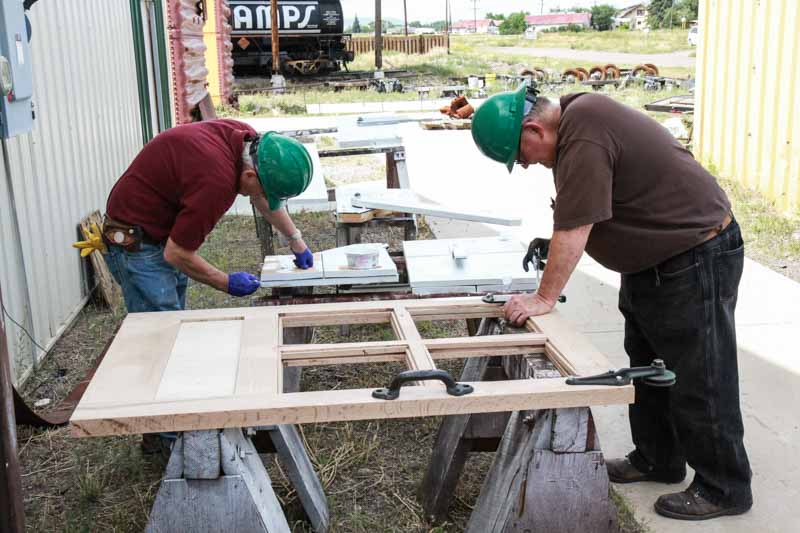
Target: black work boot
{"x": 691, "y": 504}
{"x": 629, "y": 470}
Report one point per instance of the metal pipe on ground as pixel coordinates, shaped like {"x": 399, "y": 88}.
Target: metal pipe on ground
{"x": 12, "y": 515}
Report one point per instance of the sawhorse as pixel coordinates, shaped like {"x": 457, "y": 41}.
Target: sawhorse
{"x": 216, "y": 481}
{"x": 548, "y": 472}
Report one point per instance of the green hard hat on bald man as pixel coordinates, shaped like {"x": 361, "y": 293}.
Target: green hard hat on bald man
{"x": 497, "y": 124}
{"x": 283, "y": 166}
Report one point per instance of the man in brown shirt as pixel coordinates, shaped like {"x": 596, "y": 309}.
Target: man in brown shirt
{"x": 635, "y": 200}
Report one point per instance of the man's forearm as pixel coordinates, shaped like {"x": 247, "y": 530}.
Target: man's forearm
{"x": 566, "y": 248}
{"x": 281, "y": 220}
{"x": 194, "y": 266}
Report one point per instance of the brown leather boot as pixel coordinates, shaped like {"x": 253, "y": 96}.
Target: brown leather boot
{"x": 691, "y": 504}
{"x": 624, "y": 471}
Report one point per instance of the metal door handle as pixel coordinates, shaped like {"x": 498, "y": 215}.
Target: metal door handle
{"x": 393, "y": 392}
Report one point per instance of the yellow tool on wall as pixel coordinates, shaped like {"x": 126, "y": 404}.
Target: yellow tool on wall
{"x": 93, "y": 242}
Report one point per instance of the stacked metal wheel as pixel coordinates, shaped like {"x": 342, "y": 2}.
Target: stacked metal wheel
{"x": 646, "y": 69}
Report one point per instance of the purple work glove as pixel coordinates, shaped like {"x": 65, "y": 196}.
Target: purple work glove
{"x": 242, "y": 284}
{"x": 304, "y": 259}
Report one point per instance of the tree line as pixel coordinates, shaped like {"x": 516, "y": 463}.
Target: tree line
{"x": 661, "y": 14}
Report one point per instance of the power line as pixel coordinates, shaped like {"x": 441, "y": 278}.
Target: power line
{"x": 20, "y": 326}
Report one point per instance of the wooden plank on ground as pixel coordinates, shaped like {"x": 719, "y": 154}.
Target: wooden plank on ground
{"x": 110, "y": 292}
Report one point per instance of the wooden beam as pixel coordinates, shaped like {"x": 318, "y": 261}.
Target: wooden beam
{"x": 362, "y": 352}
{"x": 337, "y": 405}
{"x": 419, "y": 358}
{"x": 380, "y": 316}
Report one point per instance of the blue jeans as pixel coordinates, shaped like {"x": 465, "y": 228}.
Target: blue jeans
{"x": 148, "y": 282}
{"x": 682, "y": 311}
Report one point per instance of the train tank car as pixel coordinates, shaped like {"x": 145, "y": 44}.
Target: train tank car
{"x": 311, "y": 32}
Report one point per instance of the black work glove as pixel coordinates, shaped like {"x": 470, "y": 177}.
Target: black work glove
{"x": 537, "y": 251}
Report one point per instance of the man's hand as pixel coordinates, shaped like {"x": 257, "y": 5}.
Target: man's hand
{"x": 519, "y": 308}
{"x": 242, "y": 284}
{"x": 304, "y": 259}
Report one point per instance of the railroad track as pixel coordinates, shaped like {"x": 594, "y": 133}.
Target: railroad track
{"x": 355, "y": 79}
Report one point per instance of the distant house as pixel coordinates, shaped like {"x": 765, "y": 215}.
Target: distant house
{"x": 484, "y": 26}
{"x": 634, "y": 17}
{"x": 537, "y": 23}
{"x": 422, "y": 31}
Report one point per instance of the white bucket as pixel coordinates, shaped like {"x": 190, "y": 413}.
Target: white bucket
{"x": 362, "y": 257}
{"x": 474, "y": 82}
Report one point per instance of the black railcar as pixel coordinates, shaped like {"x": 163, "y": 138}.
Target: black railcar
{"x": 312, "y": 38}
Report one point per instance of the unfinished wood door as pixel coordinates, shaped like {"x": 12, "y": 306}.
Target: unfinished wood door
{"x": 205, "y": 369}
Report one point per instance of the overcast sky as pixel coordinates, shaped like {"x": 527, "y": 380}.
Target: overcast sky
{"x": 430, "y": 10}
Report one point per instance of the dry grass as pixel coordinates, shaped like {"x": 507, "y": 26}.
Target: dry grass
{"x": 633, "y": 42}
{"x": 771, "y": 237}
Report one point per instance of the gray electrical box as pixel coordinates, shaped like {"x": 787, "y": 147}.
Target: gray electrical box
{"x": 16, "y": 74}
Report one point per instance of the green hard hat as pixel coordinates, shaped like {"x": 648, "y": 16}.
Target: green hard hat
{"x": 284, "y": 168}
{"x": 497, "y": 125}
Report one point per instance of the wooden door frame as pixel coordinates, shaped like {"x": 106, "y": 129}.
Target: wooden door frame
{"x": 259, "y": 398}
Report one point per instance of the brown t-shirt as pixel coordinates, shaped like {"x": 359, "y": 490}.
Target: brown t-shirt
{"x": 183, "y": 181}
{"x": 625, "y": 173}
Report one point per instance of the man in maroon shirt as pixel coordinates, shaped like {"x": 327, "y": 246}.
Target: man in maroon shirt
{"x": 635, "y": 200}
{"x": 178, "y": 187}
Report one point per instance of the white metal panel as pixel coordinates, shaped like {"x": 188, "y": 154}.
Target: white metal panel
{"x": 87, "y": 130}
{"x": 748, "y": 114}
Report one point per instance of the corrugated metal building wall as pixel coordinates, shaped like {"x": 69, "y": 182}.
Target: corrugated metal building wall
{"x": 748, "y": 105}
{"x": 87, "y": 130}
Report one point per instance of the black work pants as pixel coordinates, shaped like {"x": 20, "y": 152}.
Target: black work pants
{"x": 682, "y": 311}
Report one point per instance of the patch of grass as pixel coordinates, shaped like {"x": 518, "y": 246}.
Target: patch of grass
{"x": 91, "y": 484}
{"x": 771, "y": 236}
{"x": 626, "y": 519}
{"x": 653, "y": 42}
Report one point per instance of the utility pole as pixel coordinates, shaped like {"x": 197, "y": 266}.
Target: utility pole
{"x": 12, "y": 515}
{"x": 671, "y": 9}
{"x": 277, "y": 79}
{"x": 475, "y": 15}
{"x": 447, "y": 23}
{"x": 541, "y": 8}
{"x": 405, "y": 16}
{"x": 378, "y": 37}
